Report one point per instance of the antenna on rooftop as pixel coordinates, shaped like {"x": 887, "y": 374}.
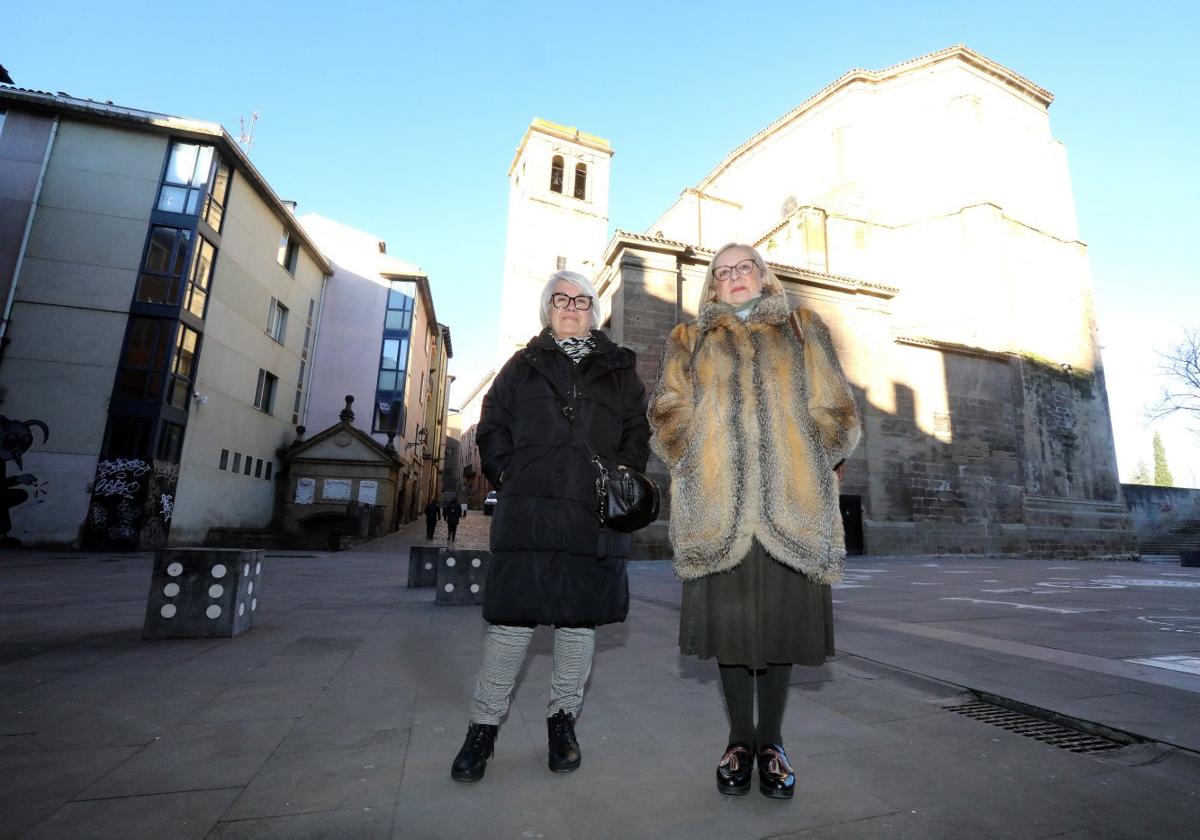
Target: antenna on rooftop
{"x": 246, "y": 137}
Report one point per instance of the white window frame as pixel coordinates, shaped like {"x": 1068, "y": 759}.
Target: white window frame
{"x": 277, "y": 317}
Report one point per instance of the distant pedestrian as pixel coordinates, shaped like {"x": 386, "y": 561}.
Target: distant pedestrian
{"x": 551, "y": 563}
{"x": 452, "y": 513}
{"x": 464, "y": 509}
{"x": 753, "y": 416}
{"x": 432, "y": 514}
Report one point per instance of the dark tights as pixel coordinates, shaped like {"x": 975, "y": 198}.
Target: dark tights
{"x": 739, "y": 683}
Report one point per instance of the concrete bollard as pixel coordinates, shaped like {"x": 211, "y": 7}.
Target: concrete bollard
{"x": 460, "y": 576}
{"x": 422, "y": 565}
{"x": 200, "y": 593}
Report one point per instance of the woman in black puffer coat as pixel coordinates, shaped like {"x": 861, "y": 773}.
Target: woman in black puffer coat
{"x": 551, "y": 562}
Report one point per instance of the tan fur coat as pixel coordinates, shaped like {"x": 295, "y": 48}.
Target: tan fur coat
{"x": 751, "y": 422}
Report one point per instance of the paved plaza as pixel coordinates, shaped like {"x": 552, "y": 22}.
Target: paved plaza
{"x": 337, "y": 716}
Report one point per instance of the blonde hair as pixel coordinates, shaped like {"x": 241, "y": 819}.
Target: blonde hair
{"x": 770, "y": 283}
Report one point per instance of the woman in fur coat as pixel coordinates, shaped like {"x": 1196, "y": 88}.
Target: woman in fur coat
{"x": 551, "y": 561}
{"x": 752, "y": 415}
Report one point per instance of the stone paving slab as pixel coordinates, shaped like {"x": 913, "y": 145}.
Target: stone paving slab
{"x": 337, "y": 716}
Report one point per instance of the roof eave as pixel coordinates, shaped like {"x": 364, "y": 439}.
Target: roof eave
{"x": 105, "y": 113}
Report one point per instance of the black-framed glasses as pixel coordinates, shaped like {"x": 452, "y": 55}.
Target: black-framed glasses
{"x": 726, "y": 272}
{"x": 561, "y": 301}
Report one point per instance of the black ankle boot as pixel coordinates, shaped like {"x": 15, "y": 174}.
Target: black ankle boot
{"x": 564, "y": 749}
{"x": 478, "y": 747}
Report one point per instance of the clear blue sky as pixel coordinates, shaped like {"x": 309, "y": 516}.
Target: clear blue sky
{"x": 401, "y": 119}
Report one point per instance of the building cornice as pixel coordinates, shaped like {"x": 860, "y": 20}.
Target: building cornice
{"x": 561, "y": 132}
{"x": 958, "y": 52}
{"x": 106, "y": 113}
{"x": 953, "y": 347}
{"x": 701, "y": 256}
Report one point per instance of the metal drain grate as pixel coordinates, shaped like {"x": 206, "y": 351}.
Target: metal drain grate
{"x": 1032, "y": 727}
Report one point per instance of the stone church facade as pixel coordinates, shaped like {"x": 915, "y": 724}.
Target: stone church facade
{"x": 925, "y": 212}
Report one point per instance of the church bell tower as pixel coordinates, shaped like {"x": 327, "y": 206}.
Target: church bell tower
{"x": 557, "y": 219}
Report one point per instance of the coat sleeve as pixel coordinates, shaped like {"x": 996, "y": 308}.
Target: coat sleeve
{"x": 494, "y": 435}
{"x": 634, "y": 449}
{"x": 830, "y": 402}
{"x": 671, "y": 404}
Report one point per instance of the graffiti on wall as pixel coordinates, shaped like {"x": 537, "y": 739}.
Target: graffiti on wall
{"x": 133, "y": 501}
{"x": 159, "y": 506}
{"x": 16, "y": 438}
{"x": 118, "y": 496}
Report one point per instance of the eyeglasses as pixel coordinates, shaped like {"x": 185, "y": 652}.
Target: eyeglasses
{"x": 726, "y": 272}
{"x": 560, "y": 301}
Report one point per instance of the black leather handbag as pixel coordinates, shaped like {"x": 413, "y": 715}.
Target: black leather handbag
{"x": 625, "y": 502}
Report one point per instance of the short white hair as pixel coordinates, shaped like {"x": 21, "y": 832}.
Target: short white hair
{"x": 581, "y": 283}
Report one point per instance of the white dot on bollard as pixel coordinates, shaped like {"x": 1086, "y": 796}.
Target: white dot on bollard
{"x": 250, "y": 588}
{"x": 218, "y": 571}
{"x": 428, "y": 566}
{"x": 476, "y": 563}
{"x": 258, "y": 568}
{"x": 168, "y": 611}
{"x": 246, "y": 570}
{"x": 171, "y": 590}
{"x": 241, "y": 609}
{"x": 213, "y": 612}
{"x": 474, "y": 588}
{"x": 175, "y": 569}
{"x": 216, "y": 590}
{"x": 253, "y": 604}
{"x": 450, "y": 561}
{"x": 449, "y": 587}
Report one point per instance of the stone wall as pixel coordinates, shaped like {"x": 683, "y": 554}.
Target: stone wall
{"x": 964, "y": 451}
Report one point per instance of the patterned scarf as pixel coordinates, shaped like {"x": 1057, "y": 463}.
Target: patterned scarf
{"x": 577, "y": 347}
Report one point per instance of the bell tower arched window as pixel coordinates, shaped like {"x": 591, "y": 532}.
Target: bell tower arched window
{"x": 556, "y": 174}
{"x": 581, "y": 180}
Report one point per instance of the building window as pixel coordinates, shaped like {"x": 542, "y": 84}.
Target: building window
{"x": 170, "y": 442}
{"x": 224, "y": 460}
{"x": 289, "y": 253}
{"x": 191, "y": 177}
{"x": 581, "y": 181}
{"x": 393, "y": 361}
{"x": 560, "y": 263}
{"x": 198, "y": 281}
{"x": 308, "y": 327}
{"x": 128, "y": 437}
{"x": 249, "y": 463}
{"x": 264, "y": 393}
{"x": 556, "y": 174}
{"x": 183, "y": 369}
{"x": 145, "y": 360}
{"x": 164, "y": 264}
{"x": 267, "y": 475}
{"x": 214, "y": 205}
{"x": 237, "y": 462}
{"x": 258, "y": 467}
{"x": 277, "y": 315}
{"x": 187, "y": 174}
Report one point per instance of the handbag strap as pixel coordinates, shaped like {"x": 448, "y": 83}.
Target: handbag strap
{"x": 568, "y": 411}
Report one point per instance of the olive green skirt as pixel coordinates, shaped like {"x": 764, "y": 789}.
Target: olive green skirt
{"x": 760, "y": 613}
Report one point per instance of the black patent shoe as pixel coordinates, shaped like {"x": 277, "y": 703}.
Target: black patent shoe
{"x": 776, "y": 778}
{"x": 478, "y": 747}
{"x": 735, "y": 770}
{"x": 564, "y": 749}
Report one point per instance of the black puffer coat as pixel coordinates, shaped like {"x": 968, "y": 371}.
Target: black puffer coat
{"x": 551, "y": 561}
